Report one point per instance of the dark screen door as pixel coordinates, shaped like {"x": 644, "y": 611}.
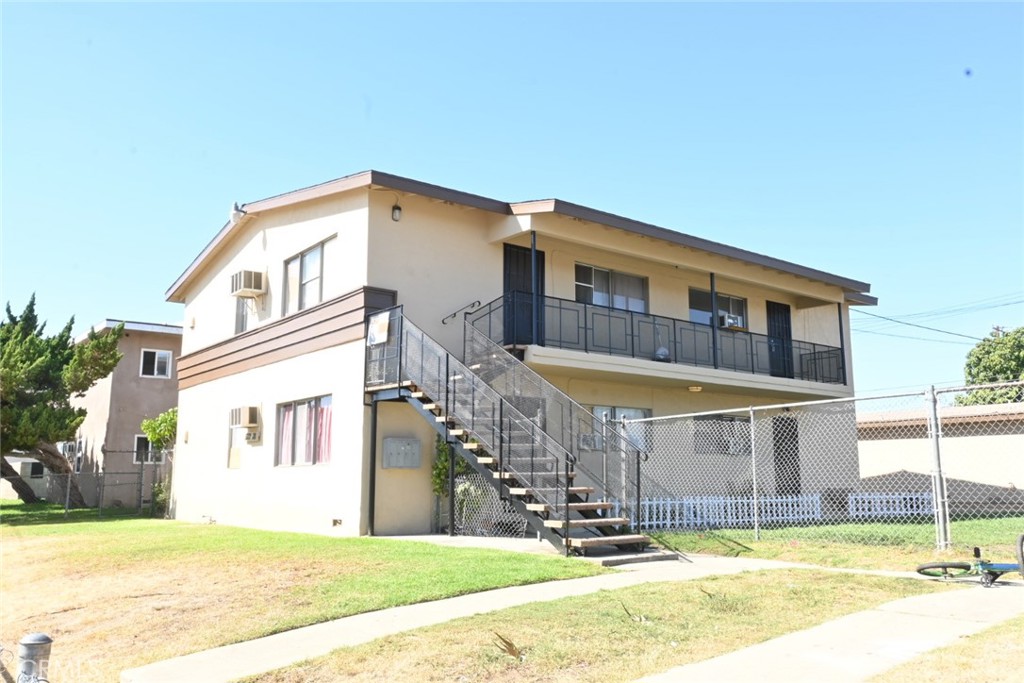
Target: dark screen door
{"x": 518, "y": 287}
{"x": 786, "y": 446}
{"x": 780, "y": 340}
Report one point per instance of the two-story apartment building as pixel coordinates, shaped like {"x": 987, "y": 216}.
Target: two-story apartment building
{"x": 109, "y": 444}
{"x": 282, "y": 419}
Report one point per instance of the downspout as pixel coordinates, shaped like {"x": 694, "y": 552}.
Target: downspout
{"x": 714, "y": 321}
{"x": 372, "y": 498}
{"x": 842, "y": 344}
{"x": 533, "y": 287}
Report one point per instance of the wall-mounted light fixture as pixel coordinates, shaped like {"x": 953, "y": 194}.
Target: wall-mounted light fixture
{"x": 396, "y": 212}
{"x": 695, "y": 389}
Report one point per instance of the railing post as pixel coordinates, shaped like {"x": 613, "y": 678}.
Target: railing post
{"x": 941, "y": 511}
{"x": 565, "y": 520}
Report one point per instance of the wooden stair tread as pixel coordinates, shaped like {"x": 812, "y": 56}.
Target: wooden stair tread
{"x": 579, "y": 523}
{"x": 592, "y": 541}
{"x": 545, "y": 507}
{"x": 531, "y": 491}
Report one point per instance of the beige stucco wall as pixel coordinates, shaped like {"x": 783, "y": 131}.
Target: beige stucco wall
{"x": 404, "y": 501}
{"x": 992, "y": 460}
{"x": 436, "y": 258}
{"x": 115, "y": 408}
{"x": 265, "y": 243}
{"x": 257, "y": 493}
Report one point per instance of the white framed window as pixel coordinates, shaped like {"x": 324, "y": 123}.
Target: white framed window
{"x": 304, "y": 432}
{"x": 241, "y": 314}
{"x": 732, "y": 310}
{"x": 155, "y": 363}
{"x": 303, "y": 280}
{"x": 721, "y": 435}
{"x": 610, "y": 288}
{"x": 637, "y": 434}
{"x": 144, "y": 453}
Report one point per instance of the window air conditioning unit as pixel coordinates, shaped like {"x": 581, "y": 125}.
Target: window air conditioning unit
{"x": 729, "y": 321}
{"x": 247, "y": 416}
{"x": 248, "y": 284}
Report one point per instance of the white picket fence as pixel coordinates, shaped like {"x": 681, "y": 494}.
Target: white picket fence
{"x": 721, "y": 512}
{"x": 869, "y": 504}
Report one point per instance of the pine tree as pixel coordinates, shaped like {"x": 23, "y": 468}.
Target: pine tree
{"x": 38, "y": 376}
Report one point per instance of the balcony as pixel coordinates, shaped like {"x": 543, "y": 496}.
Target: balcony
{"x": 566, "y": 324}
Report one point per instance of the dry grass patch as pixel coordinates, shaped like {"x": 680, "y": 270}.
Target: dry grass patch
{"x": 996, "y": 655}
{"x": 611, "y": 635}
{"x": 119, "y": 594}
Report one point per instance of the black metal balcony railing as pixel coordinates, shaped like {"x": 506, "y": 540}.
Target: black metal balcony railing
{"x": 566, "y": 324}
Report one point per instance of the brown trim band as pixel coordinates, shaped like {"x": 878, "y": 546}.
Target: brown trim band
{"x": 332, "y": 323}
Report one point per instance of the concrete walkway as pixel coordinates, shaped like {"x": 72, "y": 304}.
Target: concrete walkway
{"x": 864, "y": 643}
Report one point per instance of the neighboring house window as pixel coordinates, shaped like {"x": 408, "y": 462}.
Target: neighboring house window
{"x": 79, "y": 452}
{"x": 304, "y": 432}
{"x": 35, "y": 470}
{"x": 637, "y": 434}
{"x": 155, "y": 363}
{"x": 721, "y": 435}
{"x": 611, "y": 289}
{"x": 144, "y": 454}
{"x": 303, "y": 280}
{"x": 241, "y": 315}
{"x": 732, "y": 311}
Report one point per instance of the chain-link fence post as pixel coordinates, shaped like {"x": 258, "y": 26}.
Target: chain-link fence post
{"x": 753, "y": 475}
{"x": 938, "y": 478}
{"x": 67, "y": 496}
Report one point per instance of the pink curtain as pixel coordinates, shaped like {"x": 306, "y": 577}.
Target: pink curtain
{"x": 285, "y": 435}
{"x": 323, "y": 437}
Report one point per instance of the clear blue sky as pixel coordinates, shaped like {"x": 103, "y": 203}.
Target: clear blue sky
{"x": 881, "y": 142}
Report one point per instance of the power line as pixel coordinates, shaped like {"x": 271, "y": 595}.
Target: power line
{"x": 923, "y": 327}
{"x": 904, "y": 336}
{"x": 1000, "y": 301}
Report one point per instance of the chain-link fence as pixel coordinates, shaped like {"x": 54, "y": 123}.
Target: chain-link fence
{"x": 942, "y": 467}
{"x": 479, "y": 511}
{"x": 143, "y": 488}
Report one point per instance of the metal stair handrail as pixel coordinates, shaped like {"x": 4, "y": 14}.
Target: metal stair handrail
{"x": 403, "y": 354}
{"x": 594, "y": 441}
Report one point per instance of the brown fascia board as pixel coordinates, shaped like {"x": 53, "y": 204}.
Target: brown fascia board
{"x": 365, "y": 179}
{"x": 855, "y": 291}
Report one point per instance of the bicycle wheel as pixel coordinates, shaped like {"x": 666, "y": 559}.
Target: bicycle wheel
{"x": 1020, "y": 554}
{"x": 944, "y": 570}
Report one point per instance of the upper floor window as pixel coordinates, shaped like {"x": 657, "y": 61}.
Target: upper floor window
{"x": 732, "y": 310}
{"x": 304, "y": 432}
{"x": 155, "y": 363}
{"x": 303, "y": 280}
{"x": 610, "y": 288}
{"x": 241, "y": 314}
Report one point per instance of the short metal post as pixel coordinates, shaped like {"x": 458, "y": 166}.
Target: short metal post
{"x": 34, "y": 657}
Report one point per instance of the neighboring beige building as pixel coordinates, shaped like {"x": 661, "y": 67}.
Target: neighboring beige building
{"x": 110, "y": 441}
{"x": 277, "y": 428}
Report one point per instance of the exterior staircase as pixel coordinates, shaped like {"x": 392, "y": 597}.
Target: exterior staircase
{"x": 562, "y": 501}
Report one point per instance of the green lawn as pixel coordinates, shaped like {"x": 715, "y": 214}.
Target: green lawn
{"x": 869, "y": 545}
{"x": 615, "y": 635}
{"x": 199, "y": 586}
